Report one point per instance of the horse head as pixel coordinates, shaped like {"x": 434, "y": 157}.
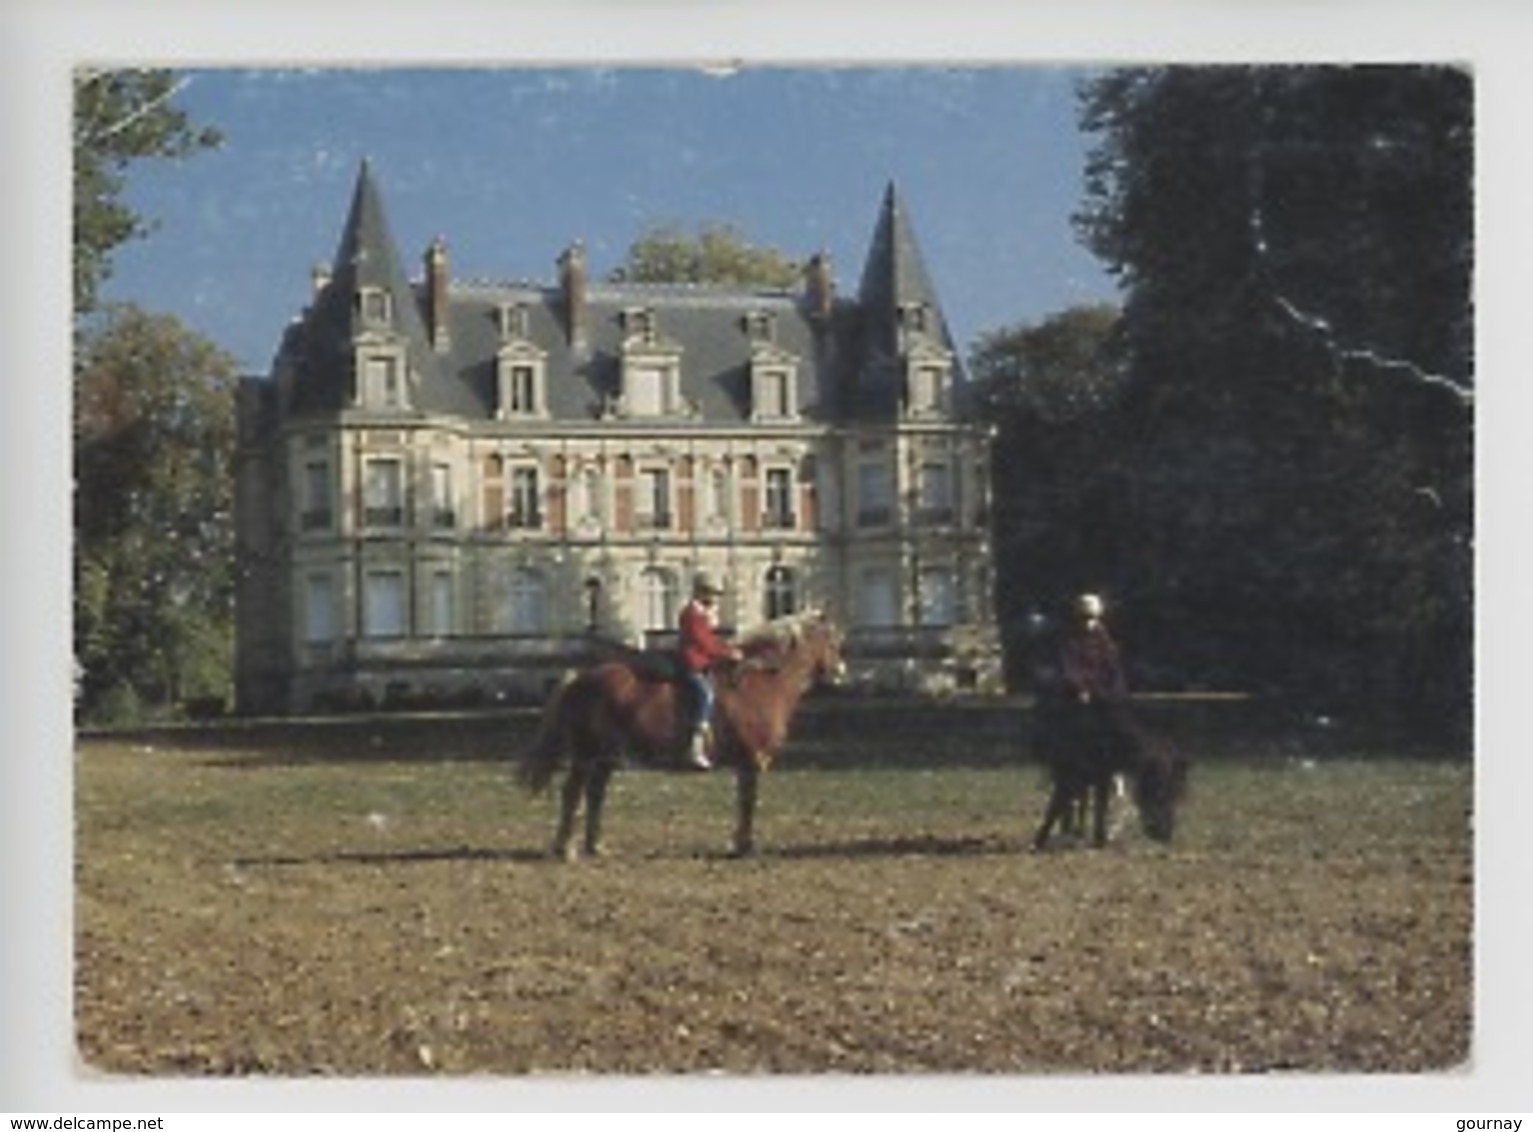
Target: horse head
{"x": 820, "y": 635}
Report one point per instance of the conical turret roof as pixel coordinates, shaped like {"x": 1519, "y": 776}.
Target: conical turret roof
{"x": 895, "y": 277}
{"x": 367, "y": 259}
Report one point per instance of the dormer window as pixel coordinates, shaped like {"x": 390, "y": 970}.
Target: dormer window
{"x": 521, "y": 382}
{"x": 375, "y": 306}
{"x": 650, "y": 389}
{"x": 929, "y": 392}
{"x": 915, "y": 318}
{"x": 773, "y": 393}
{"x": 928, "y": 384}
{"x": 639, "y": 323}
{"x": 651, "y": 376}
{"x": 761, "y": 327}
{"x": 381, "y": 378}
{"x": 521, "y": 390}
{"x": 514, "y": 322}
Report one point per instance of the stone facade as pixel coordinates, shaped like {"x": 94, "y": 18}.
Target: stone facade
{"x": 454, "y": 491}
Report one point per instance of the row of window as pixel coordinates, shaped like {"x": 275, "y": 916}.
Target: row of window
{"x": 651, "y": 368}
{"x": 650, "y": 386}
{"x": 513, "y": 498}
{"x": 524, "y": 609}
{"x": 525, "y": 605}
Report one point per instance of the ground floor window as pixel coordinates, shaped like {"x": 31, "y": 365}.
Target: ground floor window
{"x": 875, "y": 598}
{"x": 440, "y": 603}
{"x": 383, "y": 603}
{"x": 319, "y": 620}
{"x": 527, "y": 602}
{"x": 938, "y": 598}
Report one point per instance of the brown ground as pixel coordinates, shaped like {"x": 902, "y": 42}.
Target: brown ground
{"x": 236, "y": 916}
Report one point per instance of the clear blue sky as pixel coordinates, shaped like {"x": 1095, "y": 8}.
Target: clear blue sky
{"x": 511, "y": 164}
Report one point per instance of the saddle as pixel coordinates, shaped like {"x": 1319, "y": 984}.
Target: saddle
{"x": 656, "y": 666}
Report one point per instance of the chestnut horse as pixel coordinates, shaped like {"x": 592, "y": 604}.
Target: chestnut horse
{"x": 1084, "y": 747}
{"x": 614, "y": 710}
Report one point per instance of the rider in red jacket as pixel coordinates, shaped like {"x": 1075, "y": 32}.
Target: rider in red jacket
{"x": 699, "y": 649}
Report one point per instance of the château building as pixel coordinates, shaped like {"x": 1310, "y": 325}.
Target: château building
{"x": 454, "y": 490}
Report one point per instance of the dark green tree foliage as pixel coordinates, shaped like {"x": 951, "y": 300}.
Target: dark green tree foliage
{"x": 119, "y": 116}
{"x": 154, "y": 546}
{"x": 1050, "y": 391}
{"x": 1295, "y": 435}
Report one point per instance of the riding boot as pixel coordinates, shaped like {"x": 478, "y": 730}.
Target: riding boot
{"x": 697, "y": 753}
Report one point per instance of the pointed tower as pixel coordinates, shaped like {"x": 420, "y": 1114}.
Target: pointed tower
{"x": 363, "y": 342}
{"x": 370, "y": 295}
{"x": 907, "y": 349}
{"x": 895, "y": 283}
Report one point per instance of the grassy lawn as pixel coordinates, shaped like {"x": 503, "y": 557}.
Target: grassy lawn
{"x": 389, "y": 910}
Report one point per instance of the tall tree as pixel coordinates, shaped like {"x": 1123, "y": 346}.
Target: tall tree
{"x": 154, "y": 443}
{"x": 120, "y": 116}
{"x": 1295, "y": 245}
{"x": 716, "y": 254}
{"x": 1050, "y": 390}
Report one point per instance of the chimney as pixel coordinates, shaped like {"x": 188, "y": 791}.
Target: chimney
{"x": 819, "y": 287}
{"x": 572, "y": 285}
{"x": 437, "y": 294}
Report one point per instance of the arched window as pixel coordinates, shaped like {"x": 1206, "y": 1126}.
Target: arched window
{"x": 781, "y": 593}
{"x": 657, "y": 600}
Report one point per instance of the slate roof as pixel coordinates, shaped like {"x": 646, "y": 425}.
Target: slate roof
{"x": 895, "y": 276}
{"x": 843, "y": 359}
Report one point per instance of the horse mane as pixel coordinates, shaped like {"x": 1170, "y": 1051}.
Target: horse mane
{"x": 777, "y": 636}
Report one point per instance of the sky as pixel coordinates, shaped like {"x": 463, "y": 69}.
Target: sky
{"x": 510, "y": 164}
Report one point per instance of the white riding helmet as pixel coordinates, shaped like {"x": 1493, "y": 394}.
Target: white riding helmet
{"x": 1089, "y": 606}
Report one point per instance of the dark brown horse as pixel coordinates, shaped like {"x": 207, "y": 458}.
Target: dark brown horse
{"x": 615, "y": 710}
{"x": 1085, "y": 746}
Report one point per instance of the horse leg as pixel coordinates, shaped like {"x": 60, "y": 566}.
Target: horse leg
{"x": 569, "y": 806}
{"x": 1073, "y": 821}
{"x": 1061, "y": 799}
{"x": 747, "y": 785}
{"x": 1099, "y": 811}
{"x": 596, "y": 795}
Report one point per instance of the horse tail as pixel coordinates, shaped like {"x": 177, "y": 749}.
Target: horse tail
{"x": 540, "y": 762}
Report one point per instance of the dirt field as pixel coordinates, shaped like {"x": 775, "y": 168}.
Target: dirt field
{"x": 374, "y": 900}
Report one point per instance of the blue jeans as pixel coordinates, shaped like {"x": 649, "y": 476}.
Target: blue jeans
{"x": 703, "y": 689}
